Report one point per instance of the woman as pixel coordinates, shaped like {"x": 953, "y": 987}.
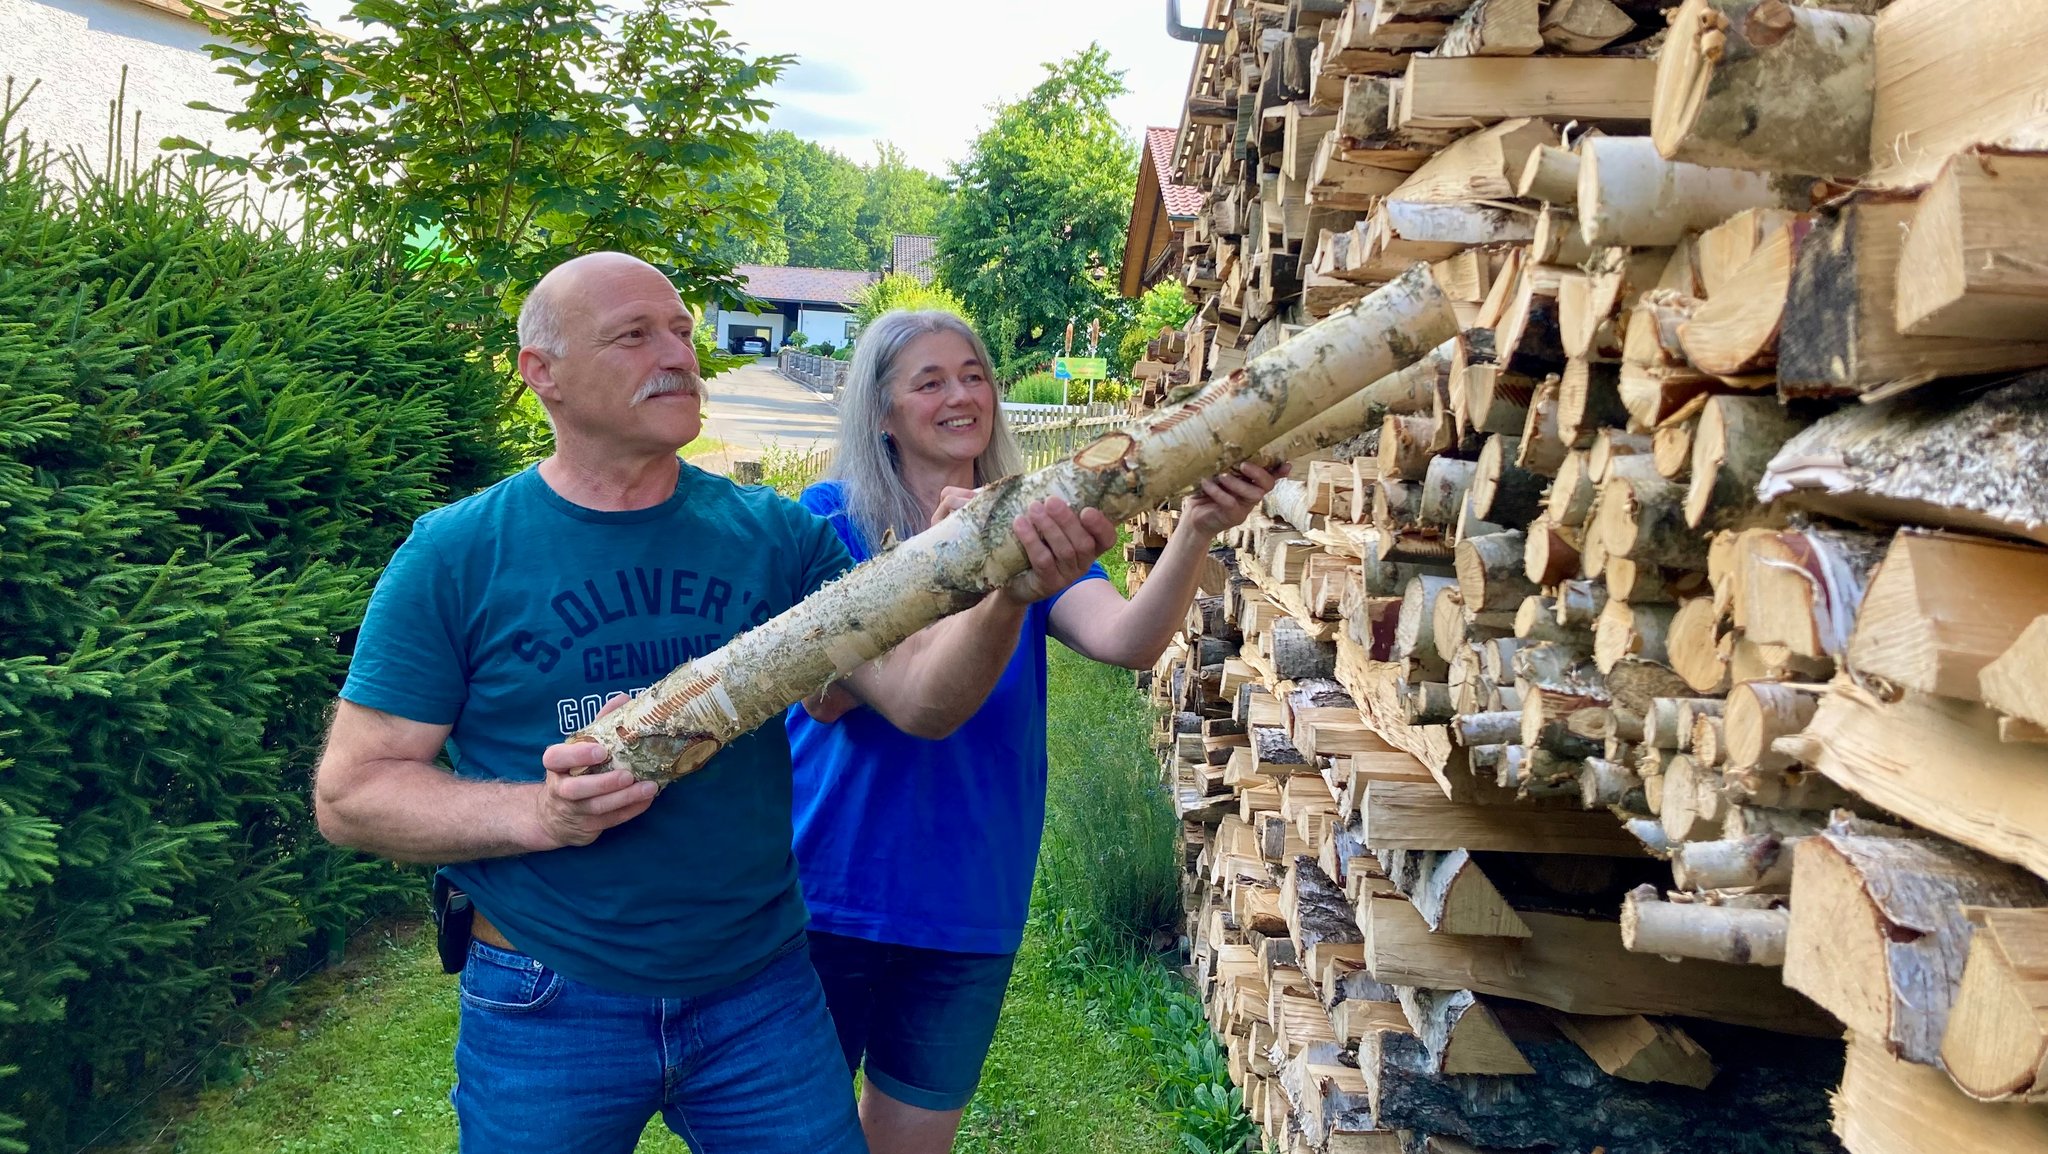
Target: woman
{"x": 916, "y": 856}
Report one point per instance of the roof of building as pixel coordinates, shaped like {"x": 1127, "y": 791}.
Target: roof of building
{"x": 834, "y": 286}
{"x": 1182, "y": 200}
{"x": 914, "y": 254}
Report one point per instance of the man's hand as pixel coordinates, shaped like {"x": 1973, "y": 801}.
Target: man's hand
{"x": 831, "y": 703}
{"x": 1060, "y": 546}
{"x": 1226, "y": 499}
{"x": 573, "y": 810}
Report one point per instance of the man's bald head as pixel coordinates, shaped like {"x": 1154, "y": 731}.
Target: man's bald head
{"x": 567, "y": 292}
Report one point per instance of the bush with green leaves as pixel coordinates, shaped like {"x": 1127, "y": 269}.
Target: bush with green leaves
{"x": 900, "y": 290}
{"x": 212, "y": 437}
{"x": 1038, "y": 389}
{"x": 1164, "y": 306}
{"x": 823, "y": 349}
{"x": 844, "y": 353}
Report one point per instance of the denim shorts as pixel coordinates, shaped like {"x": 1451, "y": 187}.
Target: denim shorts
{"x": 544, "y": 1063}
{"x": 921, "y": 1019}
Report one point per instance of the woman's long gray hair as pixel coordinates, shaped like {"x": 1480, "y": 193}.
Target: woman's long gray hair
{"x": 876, "y": 497}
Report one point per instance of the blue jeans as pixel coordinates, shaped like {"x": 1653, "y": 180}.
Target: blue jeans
{"x": 922, "y": 1019}
{"x": 547, "y": 1064}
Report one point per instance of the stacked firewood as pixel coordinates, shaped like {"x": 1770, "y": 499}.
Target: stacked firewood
{"x": 1666, "y": 660}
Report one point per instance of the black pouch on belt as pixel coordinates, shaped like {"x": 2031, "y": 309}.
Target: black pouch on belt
{"x": 453, "y": 914}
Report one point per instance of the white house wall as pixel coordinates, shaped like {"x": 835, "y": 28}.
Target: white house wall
{"x": 773, "y": 322}
{"x": 823, "y": 324}
{"x": 76, "y": 48}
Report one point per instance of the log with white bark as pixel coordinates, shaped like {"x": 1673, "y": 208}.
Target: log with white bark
{"x": 693, "y": 712}
{"x": 1629, "y": 195}
{"x": 1878, "y": 932}
{"x": 1766, "y": 85}
{"x": 1760, "y": 863}
{"x": 1978, "y": 464}
{"x": 1737, "y": 934}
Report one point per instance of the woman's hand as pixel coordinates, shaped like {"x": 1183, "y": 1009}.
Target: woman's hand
{"x": 950, "y": 498}
{"x": 1226, "y": 499}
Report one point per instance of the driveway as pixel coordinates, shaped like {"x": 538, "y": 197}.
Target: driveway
{"x": 752, "y": 406}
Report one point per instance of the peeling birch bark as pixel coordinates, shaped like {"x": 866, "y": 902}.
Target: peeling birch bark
{"x": 695, "y": 710}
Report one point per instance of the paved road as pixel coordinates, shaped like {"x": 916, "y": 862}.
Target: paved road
{"x": 752, "y": 406}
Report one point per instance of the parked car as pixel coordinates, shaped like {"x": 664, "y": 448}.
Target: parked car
{"x": 747, "y": 343}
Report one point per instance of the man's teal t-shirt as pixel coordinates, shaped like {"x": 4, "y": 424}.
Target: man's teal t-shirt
{"x": 512, "y": 615}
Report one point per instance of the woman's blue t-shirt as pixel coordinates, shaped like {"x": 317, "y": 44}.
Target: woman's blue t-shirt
{"x": 916, "y": 842}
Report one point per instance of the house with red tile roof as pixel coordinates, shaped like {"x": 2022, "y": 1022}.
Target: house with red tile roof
{"x": 817, "y": 302}
{"x": 1160, "y": 213}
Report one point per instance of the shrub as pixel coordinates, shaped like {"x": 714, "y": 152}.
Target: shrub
{"x": 790, "y": 471}
{"x": 797, "y": 340}
{"x": 823, "y": 349}
{"x": 1038, "y": 389}
{"x": 900, "y": 290}
{"x": 843, "y": 354}
{"x": 211, "y": 439}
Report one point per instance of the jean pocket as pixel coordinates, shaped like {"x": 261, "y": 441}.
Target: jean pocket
{"x": 507, "y": 983}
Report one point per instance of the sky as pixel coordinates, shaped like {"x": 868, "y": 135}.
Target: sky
{"x": 924, "y": 73}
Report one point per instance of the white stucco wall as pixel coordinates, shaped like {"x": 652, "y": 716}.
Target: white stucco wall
{"x": 76, "y": 49}
{"x": 823, "y": 324}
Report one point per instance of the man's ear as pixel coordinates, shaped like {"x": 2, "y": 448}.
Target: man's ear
{"x": 539, "y": 374}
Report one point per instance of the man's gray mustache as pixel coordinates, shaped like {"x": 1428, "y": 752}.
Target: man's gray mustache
{"x": 661, "y": 384}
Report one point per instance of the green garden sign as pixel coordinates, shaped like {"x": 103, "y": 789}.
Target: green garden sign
{"x": 1080, "y": 368}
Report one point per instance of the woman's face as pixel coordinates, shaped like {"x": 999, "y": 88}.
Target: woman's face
{"x": 942, "y": 403}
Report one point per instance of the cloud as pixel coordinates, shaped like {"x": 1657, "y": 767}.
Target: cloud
{"x": 812, "y": 124}
{"x": 821, "y": 78}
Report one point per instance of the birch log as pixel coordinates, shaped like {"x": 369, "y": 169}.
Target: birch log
{"x": 1630, "y": 195}
{"x": 695, "y": 710}
{"x": 1766, "y": 85}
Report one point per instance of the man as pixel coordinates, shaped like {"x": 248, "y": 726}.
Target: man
{"x": 636, "y": 950}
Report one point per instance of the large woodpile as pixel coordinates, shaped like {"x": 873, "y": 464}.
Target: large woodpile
{"x": 1635, "y": 736}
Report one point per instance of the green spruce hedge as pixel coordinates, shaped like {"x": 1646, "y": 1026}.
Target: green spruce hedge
{"x": 212, "y": 436}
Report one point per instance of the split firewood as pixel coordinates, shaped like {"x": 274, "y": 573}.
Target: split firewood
{"x": 1996, "y": 1043}
{"x": 1972, "y": 264}
{"x": 2016, "y": 683}
{"x": 1731, "y": 450}
{"x": 1941, "y": 607}
{"x": 688, "y": 715}
{"x": 1878, "y": 932}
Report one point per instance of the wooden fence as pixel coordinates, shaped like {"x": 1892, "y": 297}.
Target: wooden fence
{"x": 1045, "y": 433}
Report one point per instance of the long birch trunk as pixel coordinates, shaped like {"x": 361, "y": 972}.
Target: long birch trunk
{"x": 695, "y": 710}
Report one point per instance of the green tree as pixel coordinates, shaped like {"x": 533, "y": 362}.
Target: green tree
{"x": 899, "y": 198}
{"x": 1034, "y": 235}
{"x": 529, "y": 130}
{"x": 818, "y": 199}
{"x": 1164, "y": 305}
{"x": 903, "y": 291}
